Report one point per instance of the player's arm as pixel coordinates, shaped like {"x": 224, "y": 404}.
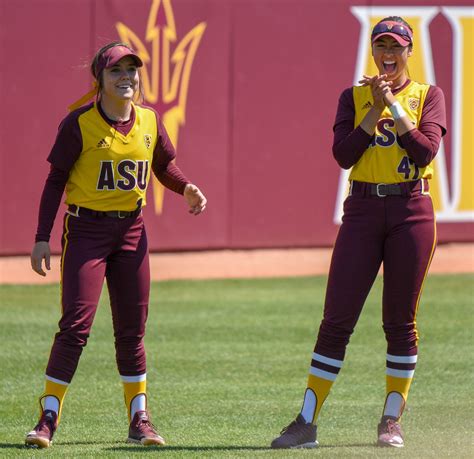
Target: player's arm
{"x": 422, "y": 143}
{"x": 49, "y": 204}
{"x": 403, "y": 123}
{"x": 63, "y": 155}
{"x": 349, "y": 144}
{"x": 169, "y": 174}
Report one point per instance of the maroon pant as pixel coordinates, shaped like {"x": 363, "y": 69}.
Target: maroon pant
{"x": 396, "y": 230}
{"x": 95, "y": 248}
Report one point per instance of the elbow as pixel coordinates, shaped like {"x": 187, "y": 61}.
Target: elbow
{"x": 341, "y": 159}
{"x": 424, "y": 160}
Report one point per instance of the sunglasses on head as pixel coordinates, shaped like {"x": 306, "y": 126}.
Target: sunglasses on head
{"x": 398, "y": 29}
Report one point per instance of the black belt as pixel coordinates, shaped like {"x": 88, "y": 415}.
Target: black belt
{"x": 389, "y": 189}
{"x": 78, "y": 211}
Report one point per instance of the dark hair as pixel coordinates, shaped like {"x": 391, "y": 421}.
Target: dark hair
{"x": 99, "y": 78}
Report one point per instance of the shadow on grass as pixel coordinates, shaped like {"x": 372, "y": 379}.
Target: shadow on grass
{"x": 12, "y": 445}
{"x": 227, "y": 448}
{"x": 151, "y": 449}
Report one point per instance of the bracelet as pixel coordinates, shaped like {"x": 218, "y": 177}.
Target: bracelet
{"x": 397, "y": 111}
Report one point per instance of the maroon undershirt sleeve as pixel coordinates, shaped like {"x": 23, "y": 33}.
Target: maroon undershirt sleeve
{"x": 163, "y": 166}
{"x": 66, "y": 149}
{"x": 421, "y": 144}
{"x": 50, "y": 201}
{"x": 349, "y": 144}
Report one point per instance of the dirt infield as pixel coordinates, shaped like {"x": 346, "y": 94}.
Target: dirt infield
{"x": 449, "y": 258}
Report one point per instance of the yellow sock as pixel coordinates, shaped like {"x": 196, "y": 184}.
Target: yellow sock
{"x": 133, "y": 386}
{"x": 322, "y": 374}
{"x": 400, "y": 371}
{"x": 54, "y": 388}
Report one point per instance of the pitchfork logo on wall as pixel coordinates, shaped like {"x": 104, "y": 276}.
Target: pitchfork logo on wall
{"x": 165, "y": 73}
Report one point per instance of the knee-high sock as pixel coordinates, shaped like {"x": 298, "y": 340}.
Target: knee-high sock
{"x": 53, "y": 395}
{"x": 400, "y": 371}
{"x": 322, "y": 374}
{"x": 135, "y": 393}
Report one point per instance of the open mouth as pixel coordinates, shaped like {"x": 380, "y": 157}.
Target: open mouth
{"x": 389, "y": 66}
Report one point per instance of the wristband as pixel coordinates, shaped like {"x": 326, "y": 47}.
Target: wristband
{"x": 397, "y": 111}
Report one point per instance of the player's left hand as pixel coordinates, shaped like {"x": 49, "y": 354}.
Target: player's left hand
{"x": 195, "y": 199}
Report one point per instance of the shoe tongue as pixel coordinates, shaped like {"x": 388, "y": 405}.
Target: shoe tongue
{"x": 142, "y": 415}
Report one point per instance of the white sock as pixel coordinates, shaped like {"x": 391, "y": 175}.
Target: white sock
{"x": 309, "y": 405}
{"x": 51, "y": 403}
{"x": 393, "y": 405}
{"x": 138, "y": 404}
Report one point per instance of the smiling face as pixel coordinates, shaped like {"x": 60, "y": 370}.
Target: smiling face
{"x": 391, "y": 58}
{"x": 120, "y": 82}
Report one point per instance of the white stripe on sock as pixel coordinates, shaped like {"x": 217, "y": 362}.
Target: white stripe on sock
{"x": 402, "y": 358}
{"x": 138, "y": 378}
{"x": 57, "y": 381}
{"x": 322, "y": 374}
{"x": 327, "y": 360}
{"x": 400, "y": 373}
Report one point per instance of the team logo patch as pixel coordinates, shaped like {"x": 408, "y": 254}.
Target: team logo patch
{"x": 147, "y": 138}
{"x": 367, "y": 105}
{"x": 413, "y": 103}
{"x": 103, "y": 143}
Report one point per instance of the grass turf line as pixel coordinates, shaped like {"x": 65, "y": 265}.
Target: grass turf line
{"x": 227, "y": 368}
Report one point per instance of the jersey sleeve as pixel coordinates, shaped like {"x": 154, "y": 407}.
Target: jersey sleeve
{"x": 50, "y": 201}
{"x": 422, "y": 143}
{"x": 434, "y": 109}
{"x": 68, "y": 144}
{"x": 163, "y": 165}
{"x": 349, "y": 144}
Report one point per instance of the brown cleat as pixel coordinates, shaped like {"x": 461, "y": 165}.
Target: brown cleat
{"x": 390, "y": 433}
{"x": 298, "y": 434}
{"x": 42, "y": 435}
{"x": 142, "y": 431}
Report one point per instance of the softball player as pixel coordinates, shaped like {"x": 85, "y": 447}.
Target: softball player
{"x": 102, "y": 157}
{"x": 388, "y": 130}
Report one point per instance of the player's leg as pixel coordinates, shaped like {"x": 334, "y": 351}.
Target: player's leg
{"x": 82, "y": 277}
{"x": 355, "y": 262}
{"x": 408, "y": 251}
{"x": 128, "y": 281}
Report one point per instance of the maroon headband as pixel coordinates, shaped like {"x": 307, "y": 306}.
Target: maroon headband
{"x": 112, "y": 55}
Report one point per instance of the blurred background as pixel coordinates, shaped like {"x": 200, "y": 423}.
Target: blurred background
{"x": 248, "y": 90}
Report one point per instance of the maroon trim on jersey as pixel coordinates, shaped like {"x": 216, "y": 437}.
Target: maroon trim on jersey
{"x": 68, "y": 147}
{"x": 421, "y": 144}
{"x": 68, "y": 144}
{"x": 164, "y": 169}
{"x": 124, "y": 127}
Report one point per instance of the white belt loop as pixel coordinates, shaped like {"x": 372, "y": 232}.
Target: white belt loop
{"x": 351, "y": 185}
{"x": 74, "y": 214}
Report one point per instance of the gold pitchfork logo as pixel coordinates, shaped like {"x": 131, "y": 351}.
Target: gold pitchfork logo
{"x": 162, "y": 84}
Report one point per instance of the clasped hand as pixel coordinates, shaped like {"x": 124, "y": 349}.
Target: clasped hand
{"x": 381, "y": 90}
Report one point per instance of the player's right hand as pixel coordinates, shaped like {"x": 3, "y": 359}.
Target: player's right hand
{"x": 40, "y": 251}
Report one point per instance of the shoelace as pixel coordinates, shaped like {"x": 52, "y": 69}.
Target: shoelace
{"x": 147, "y": 423}
{"x": 49, "y": 421}
{"x": 288, "y": 427}
{"x": 393, "y": 427}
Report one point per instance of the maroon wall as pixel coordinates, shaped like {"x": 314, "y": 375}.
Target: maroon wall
{"x": 257, "y": 134}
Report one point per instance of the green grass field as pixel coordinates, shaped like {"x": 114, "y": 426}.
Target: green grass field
{"x": 227, "y": 368}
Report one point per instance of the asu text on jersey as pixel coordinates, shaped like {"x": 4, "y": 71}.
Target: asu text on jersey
{"x": 385, "y": 160}
{"x": 113, "y": 170}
